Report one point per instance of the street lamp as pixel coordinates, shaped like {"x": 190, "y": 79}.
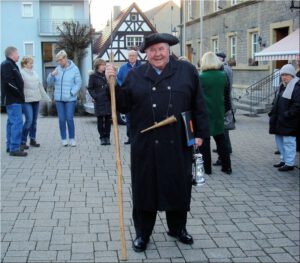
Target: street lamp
{"x": 175, "y": 32}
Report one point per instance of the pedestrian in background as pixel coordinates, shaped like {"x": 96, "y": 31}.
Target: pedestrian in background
{"x": 215, "y": 85}
{"x": 67, "y": 83}
{"x": 133, "y": 62}
{"x": 229, "y": 74}
{"x": 161, "y": 161}
{"x": 284, "y": 117}
{"x": 99, "y": 91}
{"x": 12, "y": 87}
{"x": 34, "y": 92}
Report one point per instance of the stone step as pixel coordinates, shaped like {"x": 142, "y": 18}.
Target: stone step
{"x": 255, "y": 109}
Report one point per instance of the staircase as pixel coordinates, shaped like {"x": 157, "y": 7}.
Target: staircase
{"x": 259, "y": 96}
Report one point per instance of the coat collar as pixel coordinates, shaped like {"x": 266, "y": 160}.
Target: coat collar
{"x": 168, "y": 71}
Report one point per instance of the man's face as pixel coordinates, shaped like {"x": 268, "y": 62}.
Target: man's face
{"x": 158, "y": 55}
{"x": 14, "y": 56}
{"x": 132, "y": 57}
{"x": 286, "y": 78}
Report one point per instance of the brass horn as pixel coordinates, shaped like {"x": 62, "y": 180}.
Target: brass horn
{"x": 167, "y": 121}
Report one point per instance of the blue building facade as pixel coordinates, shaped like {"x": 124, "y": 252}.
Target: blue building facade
{"x": 31, "y": 26}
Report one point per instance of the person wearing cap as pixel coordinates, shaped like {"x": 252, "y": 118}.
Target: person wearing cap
{"x": 133, "y": 62}
{"x": 228, "y": 103}
{"x": 161, "y": 161}
{"x": 284, "y": 117}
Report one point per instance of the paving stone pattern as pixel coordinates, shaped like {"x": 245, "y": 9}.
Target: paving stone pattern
{"x": 60, "y": 204}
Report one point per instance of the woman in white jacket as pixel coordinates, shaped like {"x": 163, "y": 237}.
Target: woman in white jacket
{"x": 34, "y": 92}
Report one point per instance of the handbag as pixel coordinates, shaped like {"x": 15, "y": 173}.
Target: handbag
{"x": 229, "y": 120}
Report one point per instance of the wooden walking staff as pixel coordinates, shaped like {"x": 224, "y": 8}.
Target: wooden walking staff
{"x": 112, "y": 83}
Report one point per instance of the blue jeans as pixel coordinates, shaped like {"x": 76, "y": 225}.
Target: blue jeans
{"x": 14, "y": 127}
{"x": 65, "y": 111}
{"x": 31, "y": 112}
{"x": 287, "y": 148}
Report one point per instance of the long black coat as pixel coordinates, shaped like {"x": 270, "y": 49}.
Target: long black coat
{"x": 99, "y": 91}
{"x": 161, "y": 162}
{"x": 12, "y": 84}
{"x": 284, "y": 116}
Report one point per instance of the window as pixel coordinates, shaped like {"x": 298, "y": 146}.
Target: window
{"x": 27, "y": 9}
{"x": 28, "y": 49}
{"x": 232, "y": 47}
{"x": 254, "y": 43}
{"x": 133, "y": 17}
{"x": 62, "y": 12}
{"x": 189, "y": 10}
{"x": 134, "y": 41}
{"x": 216, "y": 5}
{"x": 234, "y": 2}
{"x": 215, "y": 45}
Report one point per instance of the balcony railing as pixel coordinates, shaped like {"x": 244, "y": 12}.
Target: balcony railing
{"x": 48, "y": 27}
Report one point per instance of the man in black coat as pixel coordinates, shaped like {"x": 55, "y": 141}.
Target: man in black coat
{"x": 284, "y": 117}
{"x": 12, "y": 89}
{"x": 161, "y": 161}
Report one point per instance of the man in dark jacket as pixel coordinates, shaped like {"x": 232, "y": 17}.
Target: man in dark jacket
{"x": 133, "y": 62}
{"x": 13, "y": 95}
{"x": 284, "y": 117}
{"x": 161, "y": 161}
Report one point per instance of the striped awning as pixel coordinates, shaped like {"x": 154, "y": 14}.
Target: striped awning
{"x": 287, "y": 48}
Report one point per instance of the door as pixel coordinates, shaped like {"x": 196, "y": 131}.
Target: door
{"x": 280, "y": 33}
{"x": 189, "y": 52}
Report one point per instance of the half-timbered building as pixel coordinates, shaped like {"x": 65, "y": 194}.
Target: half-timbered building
{"x": 127, "y": 31}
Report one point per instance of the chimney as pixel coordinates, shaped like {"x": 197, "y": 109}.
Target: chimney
{"x": 116, "y": 11}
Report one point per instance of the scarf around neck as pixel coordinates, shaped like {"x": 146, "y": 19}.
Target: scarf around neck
{"x": 290, "y": 88}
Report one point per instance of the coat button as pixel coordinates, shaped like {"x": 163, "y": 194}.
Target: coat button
{"x": 168, "y": 88}
{"x": 154, "y": 105}
{"x": 172, "y": 141}
{"x": 154, "y": 89}
{"x": 156, "y": 141}
{"x": 170, "y": 105}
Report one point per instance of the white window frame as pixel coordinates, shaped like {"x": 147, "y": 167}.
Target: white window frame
{"x": 254, "y": 43}
{"x": 134, "y": 15}
{"x": 23, "y": 9}
{"x": 232, "y": 41}
{"x": 189, "y": 10}
{"x": 24, "y": 48}
{"x": 134, "y": 40}
{"x": 215, "y": 45}
{"x": 216, "y": 4}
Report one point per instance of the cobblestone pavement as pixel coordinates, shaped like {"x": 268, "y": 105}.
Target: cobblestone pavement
{"x": 60, "y": 204}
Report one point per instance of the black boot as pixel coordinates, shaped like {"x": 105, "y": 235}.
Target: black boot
{"x": 107, "y": 141}
{"x": 34, "y": 143}
{"x": 140, "y": 244}
{"x": 183, "y": 236}
{"x": 23, "y": 147}
{"x": 18, "y": 153}
{"x": 103, "y": 141}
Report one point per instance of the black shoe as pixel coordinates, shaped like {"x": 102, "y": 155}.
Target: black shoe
{"x": 107, "y": 140}
{"x": 277, "y": 165}
{"x": 140, "y": 244}
{"x": 215, "y": 150}
{"x": 227, "y": 171}
{"x": 286, "y": 168}
{"x": 128, "y": 142}
{"x": 277, "y": 152}
{"x": 183, "y": 237}
{"x": 217, "y": 163}
{"x": 18, "y": 153}
{"x": 23, "y": 147}
{"x": 34, "y": 143}
{"x": 103, "y": 141}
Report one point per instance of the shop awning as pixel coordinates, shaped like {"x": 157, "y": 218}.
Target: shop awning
{"x": 285, "y": 49}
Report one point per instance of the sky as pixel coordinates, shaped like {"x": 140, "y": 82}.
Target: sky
{"x": 101, "y": 9}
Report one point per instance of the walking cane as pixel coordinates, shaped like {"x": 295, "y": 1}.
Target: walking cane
{"x": 112, "y": 83}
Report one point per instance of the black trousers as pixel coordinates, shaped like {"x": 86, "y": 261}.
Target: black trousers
{"x": 104, "y": 126}
{"x": 144, "y": 221}
{"x": 223, "y": 152}
{"x": 227, "y": 139}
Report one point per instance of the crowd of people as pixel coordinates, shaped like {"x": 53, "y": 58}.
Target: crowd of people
{"x": 150, "y": 93}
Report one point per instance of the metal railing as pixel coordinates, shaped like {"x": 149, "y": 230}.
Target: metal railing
{"x": 262, "y": 91}
{"x": 48, "y": 27}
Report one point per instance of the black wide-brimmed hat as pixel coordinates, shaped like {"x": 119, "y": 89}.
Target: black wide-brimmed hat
{"x": 156, "y": 38}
